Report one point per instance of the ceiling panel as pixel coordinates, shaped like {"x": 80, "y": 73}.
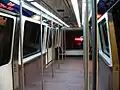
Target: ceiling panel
{"x": 67, "y": 15}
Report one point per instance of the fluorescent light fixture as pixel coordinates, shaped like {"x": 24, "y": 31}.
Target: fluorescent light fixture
{"x": 76, "y": 10}
{"x": 49, "y": 13}
{"x": 30, "y": 0}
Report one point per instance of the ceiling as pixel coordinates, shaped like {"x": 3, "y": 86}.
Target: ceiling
{"x": 63, "y": 9}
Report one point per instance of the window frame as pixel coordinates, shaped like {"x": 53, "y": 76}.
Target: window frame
{"x": 45, "y": 37}
{"x": 107, "y": 59}
{"x": 31, "y": 42}
{"x": 102, "y": 37}
{"x": 32, "y": 57}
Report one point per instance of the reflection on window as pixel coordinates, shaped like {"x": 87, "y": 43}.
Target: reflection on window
{"x": 104, "y": 37}
{"x": 50, "y": 39}
{"x": 43, "y": 30}
{"x": 54, "y": 37}
{"x": 47, "y": 36}
{"x": 6, "y": 31}
{"x": 31, "y": 44}
{"x": 57, "y": 36}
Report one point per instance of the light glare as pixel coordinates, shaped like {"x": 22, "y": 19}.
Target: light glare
{"x": 30, "y": 0}
{"x": 76, "y": 10}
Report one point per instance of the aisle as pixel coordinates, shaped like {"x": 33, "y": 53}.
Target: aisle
{"x": 70, "y": 76}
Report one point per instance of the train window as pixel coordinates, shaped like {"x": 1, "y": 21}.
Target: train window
{"x": 57, "y": 36}
{"x": 43, "y": 30}
{"x": 47, "y": 36}
{"x": 31, "y": 44}
{"x": 50, "y": 39}
{"x": 104, "y": 37}
{"x": 6, "y": 31}
{"x": 74, "y": 40}
{"x": 54, "y": 37}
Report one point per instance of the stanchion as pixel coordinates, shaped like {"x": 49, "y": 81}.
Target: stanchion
{"x": 48, "y": 44}
{"x": 41, "y": 61}
{"x": 94, "y": 45}
{"x": 22, "y": 83}
{"x": 62, "y": 45}
{"x": 58, "y": 49}
{"x": 86, "y": 44}
{"x": 52, "y": 50}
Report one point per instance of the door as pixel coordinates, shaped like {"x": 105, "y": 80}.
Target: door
{"x": 7, "y": 29}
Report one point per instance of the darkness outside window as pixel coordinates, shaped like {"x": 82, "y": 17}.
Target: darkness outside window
{"x": 104, "y": 37}
{"x": 50, "y": 39}
{"x": 54, "y": 37}
{"x": 43, "y": 30}
{"x": 47, "y": 36}
{"x": 31, "y": 42}
{"x": 71, "y": 43}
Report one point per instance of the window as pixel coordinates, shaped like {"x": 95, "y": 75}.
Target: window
{"x": 57, "y": 36}
{"x": 31, "y": 43}
{"x": 104, "y": 37}
{"x": 54, "y": 37}
{"x": 47, "y": 36}
{"x": 43, "y": 30}
{"x": 71, "y": 42}
{"x": 50, "y": 39}
{"x": 6, "y": 31}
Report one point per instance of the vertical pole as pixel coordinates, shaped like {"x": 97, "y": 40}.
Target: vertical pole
{"x": 94, "y": 45}
{"x": 42, "y": 66}
{"x": 52, "y": 50}
{"x": 21, "y": 50}
{"x": 86, "y": 46}
{"x": 62, "y": 45}
{"x": 48, "y": 43}
{"x": 58, "y": 48}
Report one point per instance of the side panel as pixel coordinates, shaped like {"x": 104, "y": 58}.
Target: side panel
{"x": 105, "y": 75}
{"x": 105, "y": 58}
{"x": 6, "y": 77}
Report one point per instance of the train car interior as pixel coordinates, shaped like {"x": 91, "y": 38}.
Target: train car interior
{"x": 74, "y": 42}
{"x": 59, "y": 45}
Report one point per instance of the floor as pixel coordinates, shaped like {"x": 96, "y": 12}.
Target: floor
{"x": 70, "y": 76}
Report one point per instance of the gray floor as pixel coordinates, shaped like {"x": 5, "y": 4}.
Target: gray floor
{"x": 70, "y": 76}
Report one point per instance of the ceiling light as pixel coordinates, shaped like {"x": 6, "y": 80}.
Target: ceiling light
{"x": 76, "y": 10}
{"x": 30, "y": 0}
{"x": 49, "y": 13}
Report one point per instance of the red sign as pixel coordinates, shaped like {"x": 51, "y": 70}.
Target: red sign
{"x": 79, "y": 39}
